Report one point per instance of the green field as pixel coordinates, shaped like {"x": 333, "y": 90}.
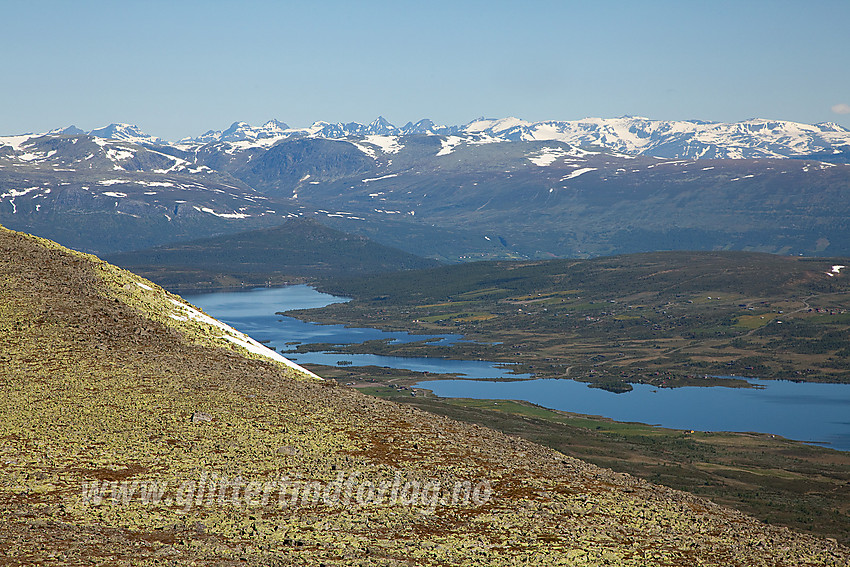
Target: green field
{"x": 667, "y": 319}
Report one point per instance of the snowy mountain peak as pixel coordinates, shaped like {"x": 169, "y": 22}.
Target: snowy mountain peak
{"x": 67, "y": 131}
{"x": 274, "y": 125}
{"x": 242, "y": 131}
{"x": 381, "y": 127}
{"x": 125, "y": 132}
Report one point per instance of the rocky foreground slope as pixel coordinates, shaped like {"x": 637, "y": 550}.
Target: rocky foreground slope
{"x": 133, "y": 429}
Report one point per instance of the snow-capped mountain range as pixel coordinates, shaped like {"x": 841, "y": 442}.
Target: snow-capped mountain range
{"x": 756, "y": 138}
{"x": 491, "y": 188}
{"x": 683, "y": 139}
{"x": 116, "y": 131}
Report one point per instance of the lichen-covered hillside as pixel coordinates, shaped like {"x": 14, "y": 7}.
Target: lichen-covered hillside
{"x": 134, "y": 430}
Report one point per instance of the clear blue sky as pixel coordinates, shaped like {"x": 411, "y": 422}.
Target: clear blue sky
{"x": 178, "y": 68}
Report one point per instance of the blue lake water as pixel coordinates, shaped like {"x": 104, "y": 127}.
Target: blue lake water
{"x": 815, "y": 413}
{"x": 253, "y": 313}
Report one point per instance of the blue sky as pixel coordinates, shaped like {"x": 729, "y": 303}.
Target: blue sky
{"x": 179, "y": 68}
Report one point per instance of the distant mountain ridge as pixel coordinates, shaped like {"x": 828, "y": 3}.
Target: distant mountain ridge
{"x": 688, "y": 139}
{"x": 503, "y": 188}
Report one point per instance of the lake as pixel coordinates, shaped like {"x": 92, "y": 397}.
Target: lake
{"x": 815, "y": 413}
{"x": 253, "y": 313}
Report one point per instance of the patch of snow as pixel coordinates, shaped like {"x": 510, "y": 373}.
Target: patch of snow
{"x": 223, "y": 215}
{"x": 114, "y": 194}
{"x": 388, "y": 144}
{"x": 113, "y": 181}
{"x": 19, "y": 193}
{"x": 449, "y": 145}
{"x": 576, "y": 173}
{"x": 379, "y": 178}
{"x": 486, "y": 139}
{"x": 119, "y": 154}
{"x": 16, "y": 141}
{"x": 34, "y": 156}
{"x": 144, "y": 286}
{"x": 547, "y": 156}
{"x": 236, "y": 337}
{"x": 366, "y": 150}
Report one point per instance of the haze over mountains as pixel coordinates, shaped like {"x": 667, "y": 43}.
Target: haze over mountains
{"x": 488, "y": 189}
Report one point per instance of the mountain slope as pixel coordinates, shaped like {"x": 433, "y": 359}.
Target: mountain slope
{"x": 543, "y": 199}
{"x": 102, "y": 387}
{"x": 299, "y": 247}
{"x": 106, "y": 195}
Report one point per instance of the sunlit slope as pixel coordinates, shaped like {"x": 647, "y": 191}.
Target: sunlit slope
{"x": 109, "y": 390}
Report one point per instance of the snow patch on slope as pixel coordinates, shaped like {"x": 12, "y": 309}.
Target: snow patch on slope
{"x": 388, "y": 144}
{"x": 187, "y": 312}
{"x": 579, "y": 171}
{"x": 449, "y": 145}
{"x": 547, "y": 156}
{"x": 835, "y": 270}
{"x": 388, "y": 176}
{"x": 16, "y": 141}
